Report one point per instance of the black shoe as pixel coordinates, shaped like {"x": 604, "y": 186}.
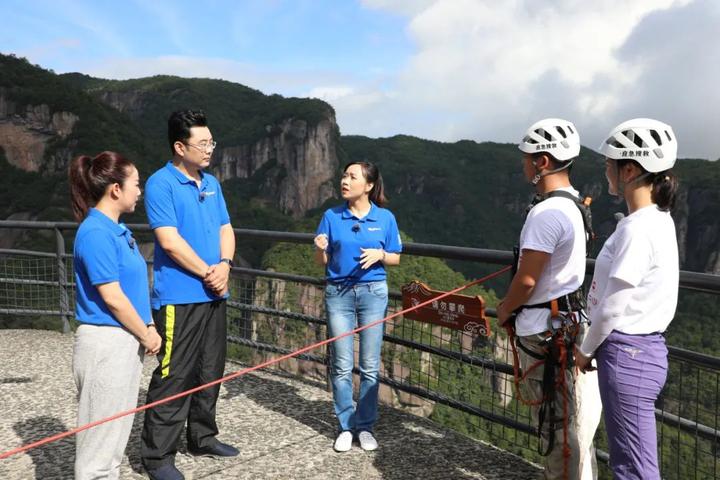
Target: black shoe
{"x": 219, "y": 449}
{"x": 166, "y": 471}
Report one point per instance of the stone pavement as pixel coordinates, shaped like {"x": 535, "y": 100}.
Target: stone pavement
{"x": 283, "y": 426}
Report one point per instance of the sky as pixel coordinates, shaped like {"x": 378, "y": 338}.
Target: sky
{"x": 444, "y": 70}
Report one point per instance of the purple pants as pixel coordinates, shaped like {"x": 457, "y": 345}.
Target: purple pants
{"x": 631, "y": 372}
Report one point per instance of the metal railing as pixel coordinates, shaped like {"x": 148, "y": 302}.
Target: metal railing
{"x": 456, "y": 378}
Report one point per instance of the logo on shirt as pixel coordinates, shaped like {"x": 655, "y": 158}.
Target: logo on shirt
{"x": 203, "y": 195}
{"x": 374, "y": 229}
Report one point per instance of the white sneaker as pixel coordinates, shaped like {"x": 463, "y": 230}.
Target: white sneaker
{"x": 367, "y": 441}
{"x": 343, "y": 442}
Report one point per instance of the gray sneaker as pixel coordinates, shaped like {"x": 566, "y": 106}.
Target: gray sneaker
{"x": 343, "y": 442}
{"x": 367, "y": 441}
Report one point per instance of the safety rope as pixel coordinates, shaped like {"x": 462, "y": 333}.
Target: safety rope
{"x": 244, "y": 371}
{"x": 559, "y": 338}
{"x": 517, "y": 378}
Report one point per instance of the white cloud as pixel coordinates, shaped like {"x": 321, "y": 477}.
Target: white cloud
{"x": 85, "y": 18}
{"x": 679, "y": 80}
{"x": 266, "y": 79}
{"x": 330, "y": 93}
{"x": 485, "y": 69}
{"x": 401, "y": 7}
{"x": 349, "y": 99}
{"x": 169, "y": 19}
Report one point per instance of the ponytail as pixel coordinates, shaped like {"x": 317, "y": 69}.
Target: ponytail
{"x": 372, "y": 175}
{"x": 664, "y": 190}
{"x": 663, "y": 185}
{"x": 90, "y": 177}
{"x": 79, "y": 190}
{"x": 377, "y": 194}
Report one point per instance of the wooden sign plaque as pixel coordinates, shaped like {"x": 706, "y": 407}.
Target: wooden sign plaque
{"x": 459, "y": 312}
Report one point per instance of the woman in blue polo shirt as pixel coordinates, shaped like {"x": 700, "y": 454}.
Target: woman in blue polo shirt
{"x": 112, "y": 306}
{"x": 355, "y": 241}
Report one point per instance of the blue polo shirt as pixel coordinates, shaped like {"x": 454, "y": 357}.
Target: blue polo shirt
{"x": 174, "y": 200}
{"x": 347, "y": 234}
{"x": 106, "y": 252}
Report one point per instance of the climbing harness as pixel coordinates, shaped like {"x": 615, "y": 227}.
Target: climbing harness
{"x": 558, "y": 349}
{"x": 558, "y": 346}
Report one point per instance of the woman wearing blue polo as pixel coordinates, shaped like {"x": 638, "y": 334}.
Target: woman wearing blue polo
{"x": 355, "y": 241}
{"x": 112, "y": 306}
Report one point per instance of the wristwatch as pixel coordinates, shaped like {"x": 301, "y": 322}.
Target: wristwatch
{"x": 228, "y": 261}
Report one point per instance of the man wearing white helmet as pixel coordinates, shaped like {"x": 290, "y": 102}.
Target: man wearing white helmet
{"x": 633, "y": 295}
{"x": 546, "y": 299}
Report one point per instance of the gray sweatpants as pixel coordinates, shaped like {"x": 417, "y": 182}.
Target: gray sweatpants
{"x": 107, "y": 364}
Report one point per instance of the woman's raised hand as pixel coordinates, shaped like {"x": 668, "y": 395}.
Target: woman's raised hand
{"x": 321, "y": 242}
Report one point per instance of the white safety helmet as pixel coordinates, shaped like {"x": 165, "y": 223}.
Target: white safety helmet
{"x": 557, "y": 137}
{"x": 649, "y": 142}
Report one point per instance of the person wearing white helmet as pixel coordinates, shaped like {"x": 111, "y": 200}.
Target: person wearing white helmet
{"x": 543, "y": 304}
{"x": 633, "y": 295}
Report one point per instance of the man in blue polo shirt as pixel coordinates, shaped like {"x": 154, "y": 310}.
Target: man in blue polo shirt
{"x": 194, "y": 247}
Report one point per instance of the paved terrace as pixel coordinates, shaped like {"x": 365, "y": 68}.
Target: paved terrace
{"x": 284, "y": 428}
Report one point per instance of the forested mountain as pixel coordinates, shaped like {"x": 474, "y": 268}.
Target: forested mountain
{"x": 279, "y": 160}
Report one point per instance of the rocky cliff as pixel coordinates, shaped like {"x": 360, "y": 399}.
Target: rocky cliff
{"x": 696, "y": 220}
{"x": 298, "y": 160}
{"x": 133, "y": 103}
{"x": 28, "y": 132}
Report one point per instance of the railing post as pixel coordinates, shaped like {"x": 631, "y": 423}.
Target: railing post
{"x": 62, "y": 280}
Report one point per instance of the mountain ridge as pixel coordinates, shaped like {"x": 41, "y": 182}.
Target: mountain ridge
{"x": 280, "y": 157}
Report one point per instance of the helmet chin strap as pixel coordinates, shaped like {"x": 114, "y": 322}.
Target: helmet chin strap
{"x": 621, "y": 185}
{"x": 538, "y": 176}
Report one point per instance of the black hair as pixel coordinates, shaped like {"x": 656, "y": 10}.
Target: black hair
{"x": 554, "y": 162}
{"x": 664, "y": 185}
{"x": 89, "y": 178}
{"x": 372, "y": 175}
{"x": 180, "y": 123}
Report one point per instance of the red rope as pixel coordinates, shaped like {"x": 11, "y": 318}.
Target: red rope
{"x": 561, "y": 385}
{"x": 560, "y": 381}
{"x": 238, "y": 373}
{"x": 517, "y": 378}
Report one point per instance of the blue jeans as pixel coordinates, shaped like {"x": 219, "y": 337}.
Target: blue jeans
{"x": 349, "y": 307}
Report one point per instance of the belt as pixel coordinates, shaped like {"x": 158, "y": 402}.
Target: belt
{"x": 562, "y": 303}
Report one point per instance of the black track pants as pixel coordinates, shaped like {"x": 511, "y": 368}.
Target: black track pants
{"x": 192, "y": 353}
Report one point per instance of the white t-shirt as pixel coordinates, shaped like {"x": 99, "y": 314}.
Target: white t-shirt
{"x": 553, "y": 226}
{"x": 641, "y": 259}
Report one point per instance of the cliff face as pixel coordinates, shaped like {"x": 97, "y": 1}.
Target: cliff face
{"x": 299, "y": 163}
{"x": 27, "y": 132}
{"x": 696, "y": 219}
{"x": 297, "y": 160}
{"x": 127, "y": 102}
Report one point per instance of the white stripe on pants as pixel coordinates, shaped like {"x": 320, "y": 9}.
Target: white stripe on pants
{"x": 107, "y": 363}
{"x": 588, "y": 411}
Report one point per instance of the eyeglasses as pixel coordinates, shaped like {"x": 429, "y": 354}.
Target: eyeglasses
{"x": 204, "y": 147}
